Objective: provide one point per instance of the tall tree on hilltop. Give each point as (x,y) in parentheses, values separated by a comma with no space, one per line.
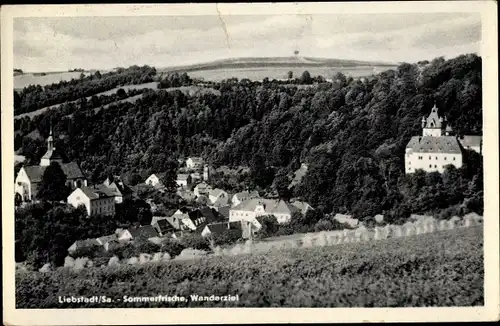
(53,186)
(306,78)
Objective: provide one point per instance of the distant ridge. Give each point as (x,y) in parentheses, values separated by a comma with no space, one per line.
(275,62)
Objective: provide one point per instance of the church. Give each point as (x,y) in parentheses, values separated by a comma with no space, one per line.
(29,177)
(437,147)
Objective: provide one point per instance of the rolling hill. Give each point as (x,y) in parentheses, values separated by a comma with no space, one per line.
(238,63)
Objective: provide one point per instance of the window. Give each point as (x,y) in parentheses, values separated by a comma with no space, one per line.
(409,169)
(445,158)
(435,166)
(453,159)
(430,158)
(436,157)
(430,165)
(409,163)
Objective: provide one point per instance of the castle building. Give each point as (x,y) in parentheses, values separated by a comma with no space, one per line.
(29,177)
(437,147)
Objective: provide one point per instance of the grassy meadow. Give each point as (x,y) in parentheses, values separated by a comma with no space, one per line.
(443,268)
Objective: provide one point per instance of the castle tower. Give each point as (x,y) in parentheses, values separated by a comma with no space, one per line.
(434,125)
(51,155)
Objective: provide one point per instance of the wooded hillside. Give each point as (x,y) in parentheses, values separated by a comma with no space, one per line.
(352,133)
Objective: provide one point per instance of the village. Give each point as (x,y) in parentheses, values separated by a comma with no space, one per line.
(218,212)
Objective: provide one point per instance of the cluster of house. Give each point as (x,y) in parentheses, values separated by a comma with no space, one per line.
(237,213)
(438,147)
(194,172)
(241,219)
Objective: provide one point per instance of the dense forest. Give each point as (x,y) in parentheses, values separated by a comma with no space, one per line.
(351,132)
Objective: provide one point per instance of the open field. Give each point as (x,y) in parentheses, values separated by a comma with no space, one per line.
(278,68)
(443,268)
(280,72)
(24,80)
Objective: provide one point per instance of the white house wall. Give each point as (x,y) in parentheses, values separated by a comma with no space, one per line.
(431,162)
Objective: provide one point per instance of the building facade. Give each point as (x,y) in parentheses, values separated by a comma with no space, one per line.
(194,163)
(250,209)
(437,147)
(97,200)
(29,177)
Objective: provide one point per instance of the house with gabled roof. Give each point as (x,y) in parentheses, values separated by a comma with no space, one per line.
(437,147)
(214,229)
(194,163)
(29,177)
(120,190)
(184,180)
(96,199)
(242,196)
(155,180)
(87,245)
(164,227)
(202,189)
(218,197)
(143,232)
(250,209)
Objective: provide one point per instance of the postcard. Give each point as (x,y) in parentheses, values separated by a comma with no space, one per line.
(250,163)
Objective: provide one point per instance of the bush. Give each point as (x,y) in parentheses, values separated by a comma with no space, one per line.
(172,246)
(148,247)
(195,241)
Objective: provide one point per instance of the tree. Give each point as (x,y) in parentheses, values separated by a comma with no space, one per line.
(281,183)
(306,78)
(121,93)
(290,74)
(269,226)
(53,185)
(340,78)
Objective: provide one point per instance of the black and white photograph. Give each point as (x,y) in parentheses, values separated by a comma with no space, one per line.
(215,156)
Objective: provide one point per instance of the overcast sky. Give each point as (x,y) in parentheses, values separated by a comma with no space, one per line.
(51,44)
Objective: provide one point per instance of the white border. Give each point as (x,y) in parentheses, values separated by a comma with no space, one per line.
(490,311)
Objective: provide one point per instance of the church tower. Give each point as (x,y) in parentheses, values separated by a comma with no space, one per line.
(206,173)
(433,125)
(51,155)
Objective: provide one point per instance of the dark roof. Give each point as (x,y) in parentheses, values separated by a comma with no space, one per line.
(119,185)
(443,144)
(146,231)
(96,192)
(413,142)
(34,172)
(211,215)
(218,228)
(164,226)
(71,170)
(224,211)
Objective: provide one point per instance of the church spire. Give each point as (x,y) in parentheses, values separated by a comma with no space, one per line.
(50,140)
(51,155)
